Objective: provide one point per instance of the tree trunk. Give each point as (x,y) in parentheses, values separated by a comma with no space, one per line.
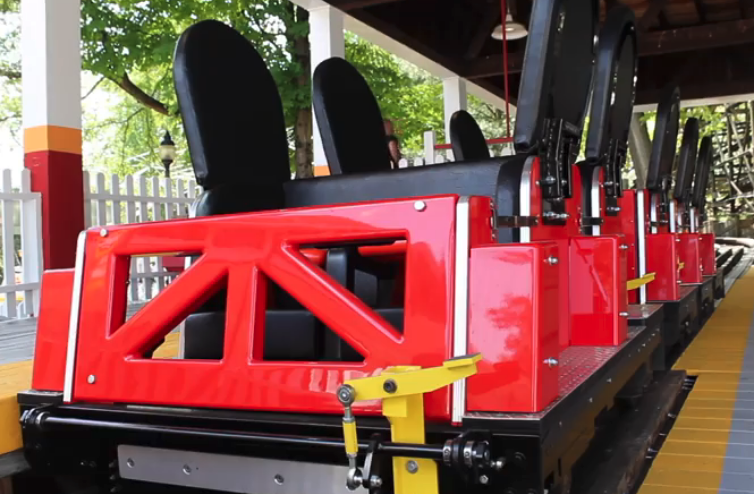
(303,139)
(304,144)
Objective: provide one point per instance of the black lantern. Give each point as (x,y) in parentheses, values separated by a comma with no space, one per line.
(167,153)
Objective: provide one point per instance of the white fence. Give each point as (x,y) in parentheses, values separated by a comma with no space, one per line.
(112,201)
(21,246)
(433,155)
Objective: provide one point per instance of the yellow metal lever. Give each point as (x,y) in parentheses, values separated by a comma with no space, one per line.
(639,282)
(401,390)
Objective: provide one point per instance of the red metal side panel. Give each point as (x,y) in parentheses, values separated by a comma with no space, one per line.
(247,249)
(707,250)
(662,259)
(52,330)
(691,257)
(597,283)
(513,323)
(559,234)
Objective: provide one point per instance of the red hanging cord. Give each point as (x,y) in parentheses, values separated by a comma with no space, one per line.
(504,9)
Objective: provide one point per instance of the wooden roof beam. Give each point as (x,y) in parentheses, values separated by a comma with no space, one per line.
(347,5)
(686,39)
(651,14)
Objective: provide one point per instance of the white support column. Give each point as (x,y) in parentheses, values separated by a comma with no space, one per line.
(327,40)
(51,66)
(454,99)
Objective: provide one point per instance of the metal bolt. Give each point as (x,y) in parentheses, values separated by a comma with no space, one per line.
(498,464)
(412,466)
(613,209)
(278,479)
(609,379)
(187,469)
(420,206)
(375,482)
(623,247)
(549,180)
(552,260)
(130,463)
(103,233)
(346,394)
(591,400)
(91,379)
(551,362)
(483,479)
(623,314)
(390,386)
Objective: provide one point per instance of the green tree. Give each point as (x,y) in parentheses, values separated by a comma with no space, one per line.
(127,45)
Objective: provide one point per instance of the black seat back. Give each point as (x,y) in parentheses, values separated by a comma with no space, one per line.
(466,138)
(349,120)
(665,141)
(558,88)
(701,176)
(614,86)
(687,161)
(234,121)
(612,104)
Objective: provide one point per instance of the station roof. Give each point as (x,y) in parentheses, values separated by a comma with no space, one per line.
(704,46)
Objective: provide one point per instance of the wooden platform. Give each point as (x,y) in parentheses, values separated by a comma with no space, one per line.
(710,449)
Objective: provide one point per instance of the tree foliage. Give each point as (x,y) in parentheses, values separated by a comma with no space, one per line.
(128,45)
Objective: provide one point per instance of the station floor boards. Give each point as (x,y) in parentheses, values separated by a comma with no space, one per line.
(710,448)
(16,377)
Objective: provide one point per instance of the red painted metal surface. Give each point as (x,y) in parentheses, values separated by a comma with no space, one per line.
(560,234)
(597,283)
(662,259)
(624,223)
(246,250)
(52,330)
(59,178)
(690,255)
(512,323)
(707,251)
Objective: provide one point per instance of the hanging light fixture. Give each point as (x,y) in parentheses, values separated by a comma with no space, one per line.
(513,30)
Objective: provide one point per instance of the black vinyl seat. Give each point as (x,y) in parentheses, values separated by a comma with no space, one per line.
(612,104)
(227,95)
(466,138)
(664,141)
(701,176)
(686,162)
(216,69)
(347,112)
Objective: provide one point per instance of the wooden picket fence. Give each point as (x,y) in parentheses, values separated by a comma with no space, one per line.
(110,200)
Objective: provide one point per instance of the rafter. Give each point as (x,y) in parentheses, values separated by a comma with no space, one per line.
(688,39)
(491,18)
(701,11)
(651,14)
(346,5)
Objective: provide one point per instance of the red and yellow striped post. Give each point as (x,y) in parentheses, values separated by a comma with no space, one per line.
(51,64)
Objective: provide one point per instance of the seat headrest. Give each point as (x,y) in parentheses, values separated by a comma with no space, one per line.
(349,120)
(614,84)
(665,142)
(231,108)
(557,70)
(687,161)
(466,138)
(701,176)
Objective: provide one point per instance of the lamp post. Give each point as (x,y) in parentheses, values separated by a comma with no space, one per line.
(167,153)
